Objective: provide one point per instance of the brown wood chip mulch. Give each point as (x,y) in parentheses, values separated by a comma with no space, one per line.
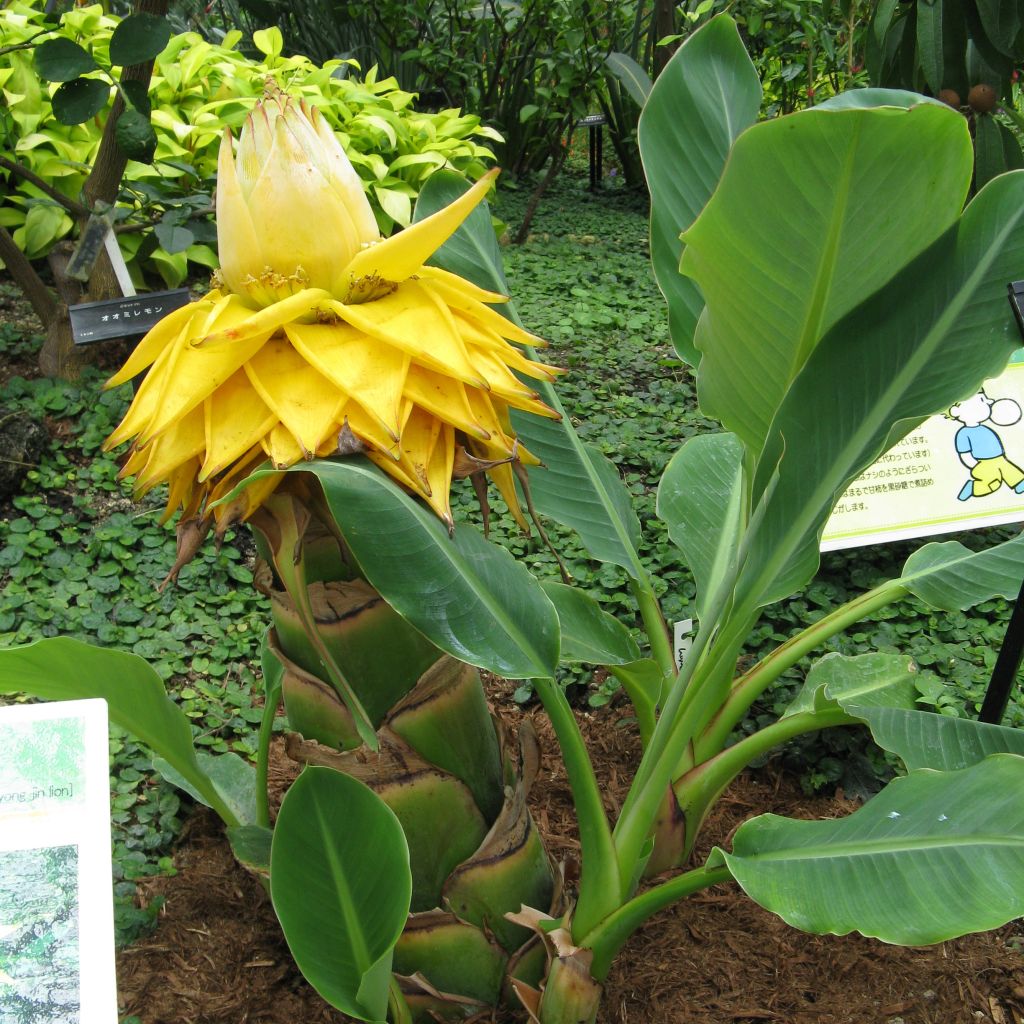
(217,956)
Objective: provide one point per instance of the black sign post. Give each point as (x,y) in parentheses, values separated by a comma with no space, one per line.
(131,316)
(997,696)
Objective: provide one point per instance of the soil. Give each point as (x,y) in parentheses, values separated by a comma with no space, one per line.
(218,957)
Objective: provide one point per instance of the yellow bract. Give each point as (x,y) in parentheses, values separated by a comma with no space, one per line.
(324,339)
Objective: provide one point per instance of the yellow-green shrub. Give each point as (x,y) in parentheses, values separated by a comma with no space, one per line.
(198,89)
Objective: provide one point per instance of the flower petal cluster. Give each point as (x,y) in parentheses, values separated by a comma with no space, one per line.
(322,338)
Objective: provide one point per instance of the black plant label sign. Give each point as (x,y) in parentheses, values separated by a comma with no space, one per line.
(123,318)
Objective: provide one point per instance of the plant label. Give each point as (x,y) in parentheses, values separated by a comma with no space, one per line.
(125,317)
(56,899)
(682,640)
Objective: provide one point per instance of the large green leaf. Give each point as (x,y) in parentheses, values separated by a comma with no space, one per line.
(700,500)
(633,77)
(705,97)
(867,680)
(938,329)
(577,486)
(340,882)
(467,595)
(949,576)
(923,739)
(854,193)
(933,856)
(589,634)
(60,668)
(61,60)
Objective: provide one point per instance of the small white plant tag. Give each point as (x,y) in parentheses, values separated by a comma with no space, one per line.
(682,640)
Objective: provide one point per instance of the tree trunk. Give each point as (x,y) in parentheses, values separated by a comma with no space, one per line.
(664,25)
(57,357)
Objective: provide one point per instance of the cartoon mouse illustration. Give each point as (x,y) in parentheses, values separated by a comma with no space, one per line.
(981,449)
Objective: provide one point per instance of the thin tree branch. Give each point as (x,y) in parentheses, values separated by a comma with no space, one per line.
(71,205)
(25,276)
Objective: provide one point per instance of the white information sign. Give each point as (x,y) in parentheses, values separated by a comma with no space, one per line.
(959,470)
(56,901)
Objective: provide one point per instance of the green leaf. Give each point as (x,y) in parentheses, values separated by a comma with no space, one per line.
(938,329)
(949,576)
(705,97)
(589,634)
(1002,21)
(933,856)
(576,486)
(700,500)
(989,155)
(138,97)
(580,488)
(251,846)
(929,43)
(924,739)
(64,669)
(634,79)
(467,595)
(867,680)
(139,38)
(61,60)
(233,777)
(79,100)
(269,41)
(859,99)
(173,237)
(837,242)
(135,136)
(340,883)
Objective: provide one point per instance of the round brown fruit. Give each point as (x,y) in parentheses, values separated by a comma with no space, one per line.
(950,97)
(982,98)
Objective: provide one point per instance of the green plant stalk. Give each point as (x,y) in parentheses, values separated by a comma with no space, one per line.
(751,685)
(608,938)
(685,712)
(654,625)
(601,887)
(697,791)
(270,705)
(398,1008)
(643,802)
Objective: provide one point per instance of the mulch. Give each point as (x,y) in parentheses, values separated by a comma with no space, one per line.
(218,957)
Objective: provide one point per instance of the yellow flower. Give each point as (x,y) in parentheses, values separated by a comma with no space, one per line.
(323,339)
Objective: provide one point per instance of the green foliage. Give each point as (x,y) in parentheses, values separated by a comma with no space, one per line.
(198,89)
(527,68)
(965,53)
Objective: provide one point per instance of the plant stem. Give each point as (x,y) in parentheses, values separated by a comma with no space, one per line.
(611,934)
(398,1008)
(701,787)
(73,207)
(655,626)
(271,702)
(600,884)
(751,685)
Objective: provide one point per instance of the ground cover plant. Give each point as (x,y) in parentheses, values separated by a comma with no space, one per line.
(517,637)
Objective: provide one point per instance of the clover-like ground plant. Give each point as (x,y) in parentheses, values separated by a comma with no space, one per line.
(825,278)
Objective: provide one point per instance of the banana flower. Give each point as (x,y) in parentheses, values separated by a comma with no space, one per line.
(322,338)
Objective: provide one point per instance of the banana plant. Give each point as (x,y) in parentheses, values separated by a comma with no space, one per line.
(827,324)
